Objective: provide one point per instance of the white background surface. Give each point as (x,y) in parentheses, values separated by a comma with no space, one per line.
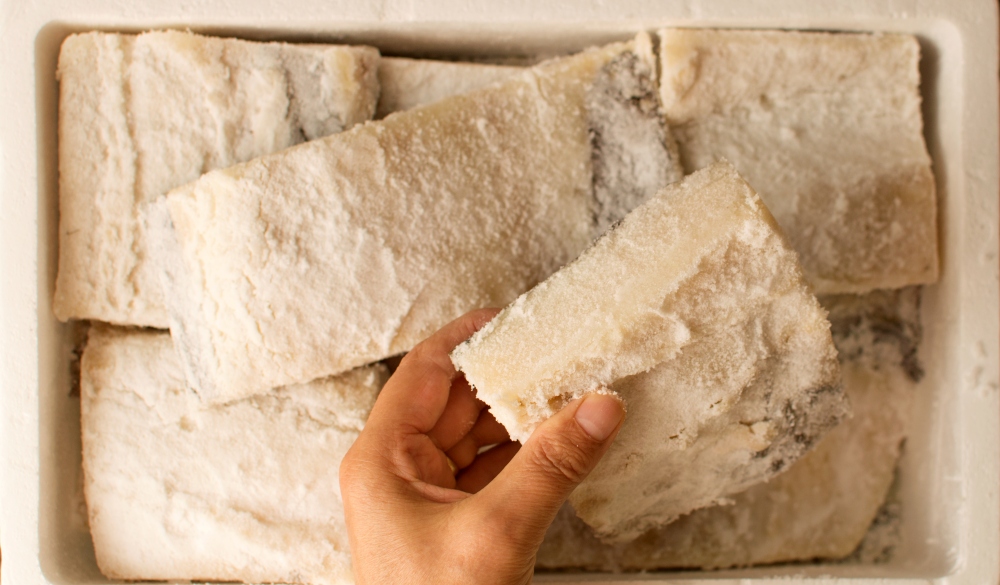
(951,476)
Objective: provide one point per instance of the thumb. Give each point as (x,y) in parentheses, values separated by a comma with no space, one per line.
(559,455)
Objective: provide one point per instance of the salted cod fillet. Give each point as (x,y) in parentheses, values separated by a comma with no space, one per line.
(694,311)
(349,249)
(142,114)
(246,491)
(407,83)
(828,129)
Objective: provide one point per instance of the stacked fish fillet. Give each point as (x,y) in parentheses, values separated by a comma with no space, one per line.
(237,194)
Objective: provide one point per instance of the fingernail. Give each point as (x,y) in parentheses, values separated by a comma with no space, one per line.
(599,415)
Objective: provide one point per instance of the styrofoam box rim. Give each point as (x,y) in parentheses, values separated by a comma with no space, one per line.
(949,478)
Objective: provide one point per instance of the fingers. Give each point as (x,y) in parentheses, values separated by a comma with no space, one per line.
(422,461)
(434,350)
(486,467)
(552,462)
(459,415)
(417,393)
(487,431)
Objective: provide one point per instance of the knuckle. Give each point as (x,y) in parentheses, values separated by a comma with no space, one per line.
(348,468)
(415,354)
(356,467)
(347,477)
(561,460)
(422,353)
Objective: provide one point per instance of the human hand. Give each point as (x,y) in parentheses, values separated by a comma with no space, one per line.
(411,519)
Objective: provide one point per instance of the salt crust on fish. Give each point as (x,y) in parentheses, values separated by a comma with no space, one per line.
(828,128)
(345,250)
(246,491)
(694,311)
(142,114)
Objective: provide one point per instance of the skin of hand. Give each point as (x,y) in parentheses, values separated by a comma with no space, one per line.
(411,519)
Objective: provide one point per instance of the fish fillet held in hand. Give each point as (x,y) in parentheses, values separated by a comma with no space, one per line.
(694,311)
(828,129)
(142,114)
(346,250)
(246,491)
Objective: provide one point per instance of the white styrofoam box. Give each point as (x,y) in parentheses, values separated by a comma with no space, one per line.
(950,476)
